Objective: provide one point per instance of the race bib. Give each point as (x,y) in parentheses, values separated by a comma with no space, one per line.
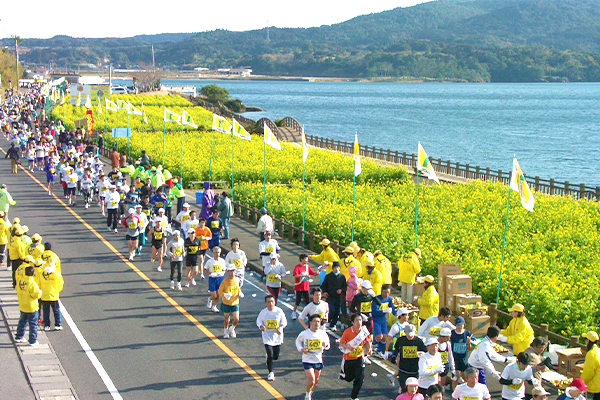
(214,224)
(185,217)
(435,331)
(104,189)
(52,170)
(383,306)
(237,262)
(73,179)
(113,203)
(163,223)
(459,348)
(273,278)
(216,268)
(444,357)
(193,226)
(158,235)
(470,398)
(320,314)
(272,324)
(132,225)
(314,344)
(434,367)
(366,307)
(159,204)
(122,195)
(178,251)
(357,352)
(192,249)
(234,290)
(409,352)
(147,211)
(515,387)
(269,250)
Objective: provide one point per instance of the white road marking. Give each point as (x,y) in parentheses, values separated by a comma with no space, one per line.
(88,351)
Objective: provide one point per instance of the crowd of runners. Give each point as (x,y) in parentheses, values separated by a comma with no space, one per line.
(430,353)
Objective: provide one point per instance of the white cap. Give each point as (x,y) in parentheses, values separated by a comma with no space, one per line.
(412,382)
(186,204)
(191,230)
(431,341)
(402,311)
(138,206)
(131,211)
(176,232)
(230,267)
(367,285)
(161,210)
(445,332)
(273,255)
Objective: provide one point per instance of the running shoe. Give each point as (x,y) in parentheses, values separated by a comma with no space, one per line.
(46,329)
(152,259)
(21,340)
(391,379)
(187,284)
(58,328)
(172,287)
(202,276)
(215,309)
(35,344)
(232,332)
(193,282)
(271,376)
(367,361)
(103,214)
(226,333)
(159,269)
(209,303)
(334,328)
(294,315)
(116,231)
(179,286)
(108,227)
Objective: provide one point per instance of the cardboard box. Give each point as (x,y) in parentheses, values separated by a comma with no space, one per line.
(456,301)
(568,359)
(445,270)
(458,284)
(576,373)
(418,289)
(478,326)
(473,312)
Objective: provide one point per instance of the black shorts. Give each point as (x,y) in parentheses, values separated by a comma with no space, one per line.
(157,245)
(71,190)
(203,252)
(461,363)
(300,295)
(131,237)
(191,260)
(446,370)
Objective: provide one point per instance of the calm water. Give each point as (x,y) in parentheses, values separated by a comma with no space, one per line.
(554,129)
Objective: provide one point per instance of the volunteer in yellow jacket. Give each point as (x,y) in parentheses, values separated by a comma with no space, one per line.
(36,248)
(28,294)
(519,333)
(48,254)
(591,367)
(383,265)
(16,251)
(230,292)
(328,254)
(372,275)
(4,236)
(51,284)
(349,261)
(409,267)
(429,303)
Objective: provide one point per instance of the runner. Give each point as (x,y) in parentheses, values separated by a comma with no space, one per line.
(132,223)
(230,292)
(433,325)
(318,307)
(483,355)
(216,228)
(380,324)
(412,391)
(355,342)
(266,248)
(86,188)
(112,207)
(514,376)
(461,342)
(275,272)
(204,234)
(142,228)
(192,251)
(445,350)
(409,349)
(216,267)
(396,331)
(271,321)
(238,258)
(183,215)
(302,286)
(430,366)
(311,343)
(50,169)
(71,180)
(176,250)
(471,389)
(157,233)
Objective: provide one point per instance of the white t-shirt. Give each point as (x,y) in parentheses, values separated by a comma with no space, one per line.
(190,223)
(215,267)
(311,309)
(397,329)
(164,221)
(267,247)
(515,391)
(239,260)
(430,368)
(112,200)
(272,271)
(272,320)
(72,179)
(315,342)
(431,328)
(464,392)
(182,216)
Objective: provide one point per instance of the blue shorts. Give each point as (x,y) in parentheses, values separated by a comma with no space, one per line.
(380,326)
(229,309)
(317,366)
(214,283)
(50,178)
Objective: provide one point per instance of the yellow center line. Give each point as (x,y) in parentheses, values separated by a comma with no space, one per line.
(164,294)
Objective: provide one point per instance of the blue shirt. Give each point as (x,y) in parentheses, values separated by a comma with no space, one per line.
(459,342)
(159,201)
(377,310)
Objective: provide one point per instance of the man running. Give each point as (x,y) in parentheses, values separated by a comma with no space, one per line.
(229,291)
(176,250)
(355,341)
(275,272)
(216,267)
(271,321)
(311,343)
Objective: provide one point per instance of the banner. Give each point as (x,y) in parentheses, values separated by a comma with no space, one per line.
(121,132)
(90,120)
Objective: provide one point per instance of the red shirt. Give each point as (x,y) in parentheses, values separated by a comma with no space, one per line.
(302,284)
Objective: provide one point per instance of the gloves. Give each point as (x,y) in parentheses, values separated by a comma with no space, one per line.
(497,375)
(548,363)
(415,298)
(364,318)
(517,381)
(227,296)
(387,355)
(511,359)
(387,310)
(502,338)
(372,293)
(453,376)
(535,381)
(241,295)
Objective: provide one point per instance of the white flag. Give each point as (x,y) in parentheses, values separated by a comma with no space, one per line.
(519,184)
(357,166)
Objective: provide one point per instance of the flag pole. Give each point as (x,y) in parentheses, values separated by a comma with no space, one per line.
(164,135)
(128,134)
(117,137)
(303,183)
(232,160)
(181,170)
(265,172)
(212,141)
(353,199)
(504,242)
(417,208)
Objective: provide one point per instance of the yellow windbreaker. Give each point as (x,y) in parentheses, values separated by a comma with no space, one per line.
(28,294)
(383,265)
(375,278)
(47,255)
(429,303)
(35,250)
(51,283)
(519,333)
(408,268)
(348,262)
(591,370)
(327,255)
(16,248)
(4,231)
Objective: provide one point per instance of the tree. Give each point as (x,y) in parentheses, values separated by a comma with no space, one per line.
(214,93)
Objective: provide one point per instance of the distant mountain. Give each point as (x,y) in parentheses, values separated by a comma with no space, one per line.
(447,39)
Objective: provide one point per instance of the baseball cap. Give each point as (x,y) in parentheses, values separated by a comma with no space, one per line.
(431,341)
(273,255)
(348,250)
(28,258)
(539,391)
(578,383)
(325,242)
(591,336)
(191,230)
(410,330)
(445,332)
(37,237)
(429,278)
(161,210)
(402,311)
(230,267)
(267,232)
(459,321)
(418,252)
(517,307)
(186,204)
(131,211)
(138,206)
(367,285)
(412,382)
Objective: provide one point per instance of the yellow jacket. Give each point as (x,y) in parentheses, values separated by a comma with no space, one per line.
(35,250)
(383,265)
(47,254)
(4,231)
(591,370)
(348,262)
(16,248)
(408,268)
(51,283)
(519,333)
(375,278)
(429,303)
(28,293)
(364,259)
(230,286)
(327,255)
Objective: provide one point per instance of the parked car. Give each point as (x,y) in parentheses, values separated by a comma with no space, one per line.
(118,90)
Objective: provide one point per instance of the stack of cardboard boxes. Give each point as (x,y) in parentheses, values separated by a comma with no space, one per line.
(570,361)
(455,292)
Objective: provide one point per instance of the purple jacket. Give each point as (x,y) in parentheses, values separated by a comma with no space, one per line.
(208,200)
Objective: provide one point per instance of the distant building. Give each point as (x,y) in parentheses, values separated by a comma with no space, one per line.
(235,71)
(70,78)
(201,69)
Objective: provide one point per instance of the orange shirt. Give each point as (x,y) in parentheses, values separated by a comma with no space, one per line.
(350,334)
(203,232)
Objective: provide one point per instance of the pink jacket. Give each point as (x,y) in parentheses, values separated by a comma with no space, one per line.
(353,283)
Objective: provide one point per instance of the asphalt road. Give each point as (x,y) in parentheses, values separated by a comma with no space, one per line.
(151,341)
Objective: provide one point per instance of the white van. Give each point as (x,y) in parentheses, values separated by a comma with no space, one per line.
(118,90)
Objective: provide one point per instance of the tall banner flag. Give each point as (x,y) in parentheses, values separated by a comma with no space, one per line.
(518,183)
(170,116)
(424,164)
(132,110)
(110,105)
(304,148)
(99,108)
(221,124)
(122,105)
(88,103)
(186,119)
(89,114)
(271,139)
(239,131)
(144,116)
(357,166)
(62,99)
(78,102)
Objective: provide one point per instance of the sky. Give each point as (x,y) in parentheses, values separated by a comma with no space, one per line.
(111,18)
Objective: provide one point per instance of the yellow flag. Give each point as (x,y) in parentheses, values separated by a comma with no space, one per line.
(88,102)
(110,105)
(424,164)
(122,105)
(519,184)
(186,118)
(239,131)
(220,124)
(132,110)
(271,139)
(170,116)
(357,166)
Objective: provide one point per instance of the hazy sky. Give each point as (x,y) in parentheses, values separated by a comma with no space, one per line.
(110,18)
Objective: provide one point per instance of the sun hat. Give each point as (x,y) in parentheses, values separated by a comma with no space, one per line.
(367,285)
(25,228)
(36,237)
(412,382)
(325,242)
(591,336)
(517,307)
(429,279)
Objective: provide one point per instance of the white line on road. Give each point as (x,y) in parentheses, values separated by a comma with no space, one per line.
(88,351)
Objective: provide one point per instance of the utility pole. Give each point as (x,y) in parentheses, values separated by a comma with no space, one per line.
(17,40)
(153,65)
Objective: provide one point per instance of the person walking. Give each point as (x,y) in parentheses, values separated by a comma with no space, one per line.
(208,201)
(333,288)
(355,341)
(112,208)
(265,223)
(225,213)
(28,293)
(13,154)
(6,201)
(311,343)
(271,321)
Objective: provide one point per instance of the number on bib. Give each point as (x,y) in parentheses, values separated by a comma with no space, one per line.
(113,203)
(237,262)
(269,250)
(435,331)
(409,352)
(273,278)
(383,306)
(214,224)
(272,324)
(216,268)
(192,249)
(357,352)
(73,179)
(444,355)
(185,217)
(314,344)
(147,211)
(158,235)
(515,387)
(178,251)
(366,307)
(159,204)
(132,225)
(470,398)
